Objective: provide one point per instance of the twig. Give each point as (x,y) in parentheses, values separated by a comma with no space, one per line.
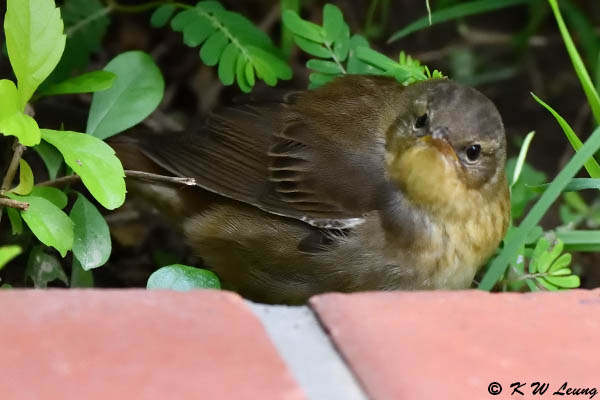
(126,8)
(12,170)
(160,178)
(13,166)
(6,202)
(69,179)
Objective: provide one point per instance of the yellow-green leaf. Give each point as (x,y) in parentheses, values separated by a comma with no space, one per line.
(94,161)
(25,179)
(35,42)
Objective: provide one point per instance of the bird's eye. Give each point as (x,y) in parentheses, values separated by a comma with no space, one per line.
(473,152)
(421,121)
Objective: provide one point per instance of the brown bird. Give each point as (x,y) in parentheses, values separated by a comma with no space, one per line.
(362,184)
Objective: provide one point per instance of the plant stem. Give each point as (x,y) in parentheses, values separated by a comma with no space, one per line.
(6,202)
(98,14)
(335,59)
(69,179)
(287,37)
(12,170)
(114,5)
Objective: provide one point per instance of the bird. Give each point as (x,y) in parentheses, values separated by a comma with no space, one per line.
(363,184)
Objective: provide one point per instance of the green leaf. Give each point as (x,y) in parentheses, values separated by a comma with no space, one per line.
(250,74)
(302,28)
(7,253)
(25,179)
(51,157)
(580,240)
(53,195)
(94,81)
(94,161)
(341,46)
(12,120)
(162,15)
(574,185)
(584,77)
(16,223)
(240,73)
(591,165)
(136,92)
(548,257)
(92,245)
(317,79)
(521,192)
(43,268)
(499,264)
(356,65)
(567,282)
(279,67)
(541,247)
(47,222)
(333,22)
(182,278)
(375,58)
(213,48)
(312,48)
(458,11)
(81,278)
(542,281)
(562,271)
(325,67)
(242,51)
(210,6)
(521,158)
(560,264)
(35,42)
(184,19)
(197,32)
(227,64)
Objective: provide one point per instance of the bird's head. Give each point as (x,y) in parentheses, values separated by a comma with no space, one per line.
(447,141)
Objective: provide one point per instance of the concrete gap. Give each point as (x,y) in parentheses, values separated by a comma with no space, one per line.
(309,352)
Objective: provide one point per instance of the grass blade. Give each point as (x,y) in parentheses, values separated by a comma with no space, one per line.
(582,74)
(508,253)
(591,165)
(521,158)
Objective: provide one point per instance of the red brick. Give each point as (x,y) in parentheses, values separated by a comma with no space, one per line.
(136,344)
(452,345)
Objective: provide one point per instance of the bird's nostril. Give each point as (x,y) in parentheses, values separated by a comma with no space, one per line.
(440,133)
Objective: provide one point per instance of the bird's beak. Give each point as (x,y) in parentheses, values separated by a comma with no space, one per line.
(439,139)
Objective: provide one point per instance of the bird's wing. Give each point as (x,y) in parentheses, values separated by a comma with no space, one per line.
(278,159)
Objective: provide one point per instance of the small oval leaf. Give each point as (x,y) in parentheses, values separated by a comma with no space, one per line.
(94,161)
(182,278)
(91,245)
(25,179)
(47,222)
(136,92)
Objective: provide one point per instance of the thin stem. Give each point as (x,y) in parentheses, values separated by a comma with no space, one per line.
(114,5)
(13,166)
(6,202)
(337,61)
(160,178)
(98,14)
(69,179)
(12,170)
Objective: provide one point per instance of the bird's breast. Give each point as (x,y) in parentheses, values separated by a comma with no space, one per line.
(461,227)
